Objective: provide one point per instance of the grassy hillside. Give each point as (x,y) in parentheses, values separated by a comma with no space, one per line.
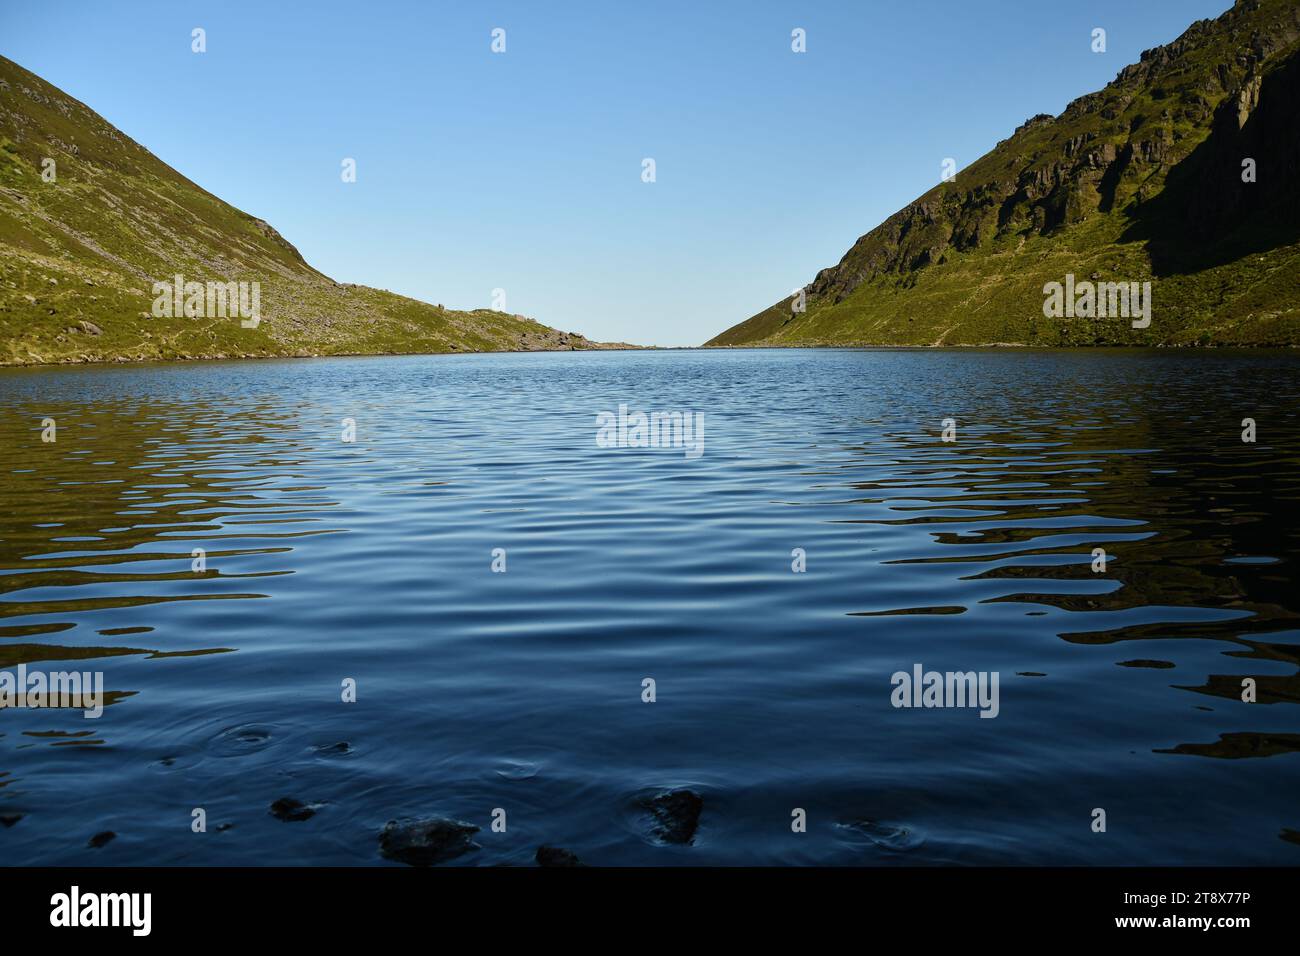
(1141,181)
(79,256)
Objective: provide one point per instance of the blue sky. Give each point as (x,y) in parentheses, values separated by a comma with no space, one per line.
(522,170)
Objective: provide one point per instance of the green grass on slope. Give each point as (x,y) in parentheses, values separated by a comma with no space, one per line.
(975,299)
(79,256)
(1140,181)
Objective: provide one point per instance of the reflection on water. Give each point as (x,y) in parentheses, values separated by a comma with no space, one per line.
(325,561)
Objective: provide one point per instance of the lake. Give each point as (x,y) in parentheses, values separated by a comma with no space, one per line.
(497,588)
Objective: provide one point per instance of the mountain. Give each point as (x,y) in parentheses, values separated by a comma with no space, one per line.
(84,239)
(1140,182)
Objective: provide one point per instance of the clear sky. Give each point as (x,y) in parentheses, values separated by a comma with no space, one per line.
(523,170)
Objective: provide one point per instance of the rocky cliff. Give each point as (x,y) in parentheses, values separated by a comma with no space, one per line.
(1146,180)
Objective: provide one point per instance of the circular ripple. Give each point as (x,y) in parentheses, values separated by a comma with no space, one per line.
(898,837)
(241,740)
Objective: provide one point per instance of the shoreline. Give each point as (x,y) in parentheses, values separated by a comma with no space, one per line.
(623,347)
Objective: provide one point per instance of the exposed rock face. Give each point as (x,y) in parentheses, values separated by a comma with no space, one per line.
(426,842)
(1206,199)
(1053,190)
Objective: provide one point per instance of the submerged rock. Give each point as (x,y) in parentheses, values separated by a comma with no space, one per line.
(10,819)
(426,842)
(517,770)
(1146,662)
(676,815)
(555,856)
(101,839)
(340,749)
(291,810)
(887,836)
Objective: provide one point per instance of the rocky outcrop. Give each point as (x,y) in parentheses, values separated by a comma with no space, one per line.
(426,842)
(675,815)
(289,810)
(555,856)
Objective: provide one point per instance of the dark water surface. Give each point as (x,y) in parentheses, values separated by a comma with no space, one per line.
(371,560)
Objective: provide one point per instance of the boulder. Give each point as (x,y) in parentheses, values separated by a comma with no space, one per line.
(292,811)
(555,856)
(676,815)
(426,842)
